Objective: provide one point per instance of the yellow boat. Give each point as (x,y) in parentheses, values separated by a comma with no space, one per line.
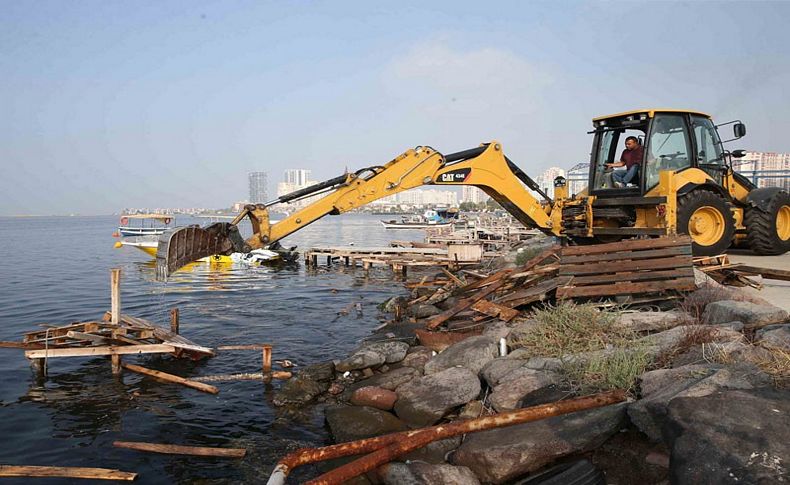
(148,246)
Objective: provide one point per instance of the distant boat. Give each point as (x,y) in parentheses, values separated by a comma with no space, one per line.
(145,224)
(429,219)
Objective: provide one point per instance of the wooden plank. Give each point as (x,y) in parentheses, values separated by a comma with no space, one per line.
(65,472)
(462,305)
(627,255)
(626,288)
(243,347)
(180,449)
(767,273)
(631,244)
(19,345)
(488,280)
(603,268)
(164,335)
(85,336)
(631,276)
(551,268)
(97,351)
(171,378)
(493,310)
(533,294)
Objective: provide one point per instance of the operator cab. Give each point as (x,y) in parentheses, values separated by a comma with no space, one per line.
(669,140)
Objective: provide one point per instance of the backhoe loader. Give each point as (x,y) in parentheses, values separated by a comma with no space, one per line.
(685,184)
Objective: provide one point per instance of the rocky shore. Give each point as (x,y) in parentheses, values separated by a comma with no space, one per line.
(708,383)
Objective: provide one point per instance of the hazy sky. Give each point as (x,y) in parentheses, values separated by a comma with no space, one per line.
(110,104)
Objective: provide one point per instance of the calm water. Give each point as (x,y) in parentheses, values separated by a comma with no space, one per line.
(56,270)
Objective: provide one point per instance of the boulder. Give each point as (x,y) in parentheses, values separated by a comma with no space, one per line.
(426,400)
(444,473)
(750,314)
(389,380)
(638,322)
(299,391)
(520,329)
(360,359)
(349,423)
(435,451)
(392,304)
(514,386)
(423,310)
(321,372)
(417,357)
(497,330)
(733,436)
(392,350)
(659,387)
(397,473)
(774,336)
(375,397)
(502,454)
(496,369)
(472,353)
(669,339)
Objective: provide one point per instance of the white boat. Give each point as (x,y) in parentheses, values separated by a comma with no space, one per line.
(429,219)
(145,224)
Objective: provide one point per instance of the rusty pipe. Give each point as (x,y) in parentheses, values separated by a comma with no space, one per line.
(385,448)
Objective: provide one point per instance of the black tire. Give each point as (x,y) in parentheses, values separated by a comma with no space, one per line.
(763,233)
(711,238)
(580,472)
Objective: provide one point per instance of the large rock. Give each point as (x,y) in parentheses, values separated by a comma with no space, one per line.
(660,387)
(498,368)
(650,321)
(375,397)
(321,372)
(750,314)
(472,353)
(374,354)
(497,330)
(298,391)
(349,423)
(730,437)
(388,380)
(669,339)
(444,473)
(519,330)
(417,357)
(422,310)
(774,336)
(397,473)
(434,452)
(503,454)
(426,400)
(516,385)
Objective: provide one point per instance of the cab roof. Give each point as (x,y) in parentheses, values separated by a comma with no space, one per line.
(651,112)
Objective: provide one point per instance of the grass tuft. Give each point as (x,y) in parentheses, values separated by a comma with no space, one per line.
(695,302)
(617,369)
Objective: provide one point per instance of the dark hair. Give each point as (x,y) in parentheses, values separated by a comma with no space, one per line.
(633,138)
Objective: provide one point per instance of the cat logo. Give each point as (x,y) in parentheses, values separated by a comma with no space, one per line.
(454,177)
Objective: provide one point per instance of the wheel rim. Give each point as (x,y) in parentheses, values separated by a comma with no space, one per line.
(783,223)
(707,226)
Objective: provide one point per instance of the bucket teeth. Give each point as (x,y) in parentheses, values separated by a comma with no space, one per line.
(183,245)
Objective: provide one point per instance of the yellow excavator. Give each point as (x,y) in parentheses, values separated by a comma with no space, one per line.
(684,184)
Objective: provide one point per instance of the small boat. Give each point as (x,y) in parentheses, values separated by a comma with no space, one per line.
(429,219)
(254,257)
(144,224)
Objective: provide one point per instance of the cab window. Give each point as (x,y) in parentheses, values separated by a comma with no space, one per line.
(667,147)
(708,144)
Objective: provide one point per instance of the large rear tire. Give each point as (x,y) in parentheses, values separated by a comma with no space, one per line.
(768,231)
(706,217)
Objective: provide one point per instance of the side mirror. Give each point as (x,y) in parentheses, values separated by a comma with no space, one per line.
(738,153)
(739,130)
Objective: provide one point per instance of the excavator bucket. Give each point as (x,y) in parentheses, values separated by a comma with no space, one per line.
(179,247)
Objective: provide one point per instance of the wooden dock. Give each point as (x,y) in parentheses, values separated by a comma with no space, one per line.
(399,259)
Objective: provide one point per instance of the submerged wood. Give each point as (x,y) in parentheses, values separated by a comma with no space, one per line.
(181,450)
(172,378)
(96,351)
(244,376)
(65,472)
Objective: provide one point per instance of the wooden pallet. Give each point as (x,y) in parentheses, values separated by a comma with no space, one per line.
(633,267)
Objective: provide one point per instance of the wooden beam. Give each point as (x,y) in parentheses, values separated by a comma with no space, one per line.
(767,273)
(95,351)
(65,472)
(115,295)
(627,288)
(656,243)
(462,305)
(174,320)
(633,276)
(181,450)
(627,255)
(604,268)
(171,378)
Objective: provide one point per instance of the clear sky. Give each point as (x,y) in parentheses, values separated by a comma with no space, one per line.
(110,104)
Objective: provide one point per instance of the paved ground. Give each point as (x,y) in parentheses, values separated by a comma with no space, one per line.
(776,292)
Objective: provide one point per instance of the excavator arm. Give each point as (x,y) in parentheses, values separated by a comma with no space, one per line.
(485,167)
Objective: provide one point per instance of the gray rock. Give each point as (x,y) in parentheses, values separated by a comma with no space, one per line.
(651,321)
(503,454)
(426,400)
(496,369)
(669,339)
(734,326)
(360,359)
(472,353)
(435,451)
(422,310)
(298,391)
(396,473)
(775,336)
(750,314)
(497,330)
(514,386)
(417,357)
(389,380)
(519,330)
(660,387)
(434,474)
(321,372)
(390,305)
(544,363)
(392,350)
(732,437)
(349,423)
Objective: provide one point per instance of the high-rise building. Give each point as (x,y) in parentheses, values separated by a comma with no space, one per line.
(258,188)
(470,193)
(297,176)
(546,180)
(765,169)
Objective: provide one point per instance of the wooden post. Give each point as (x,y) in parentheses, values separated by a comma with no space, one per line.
(38,367)
(315,260)
(174,320)
(115,295)
(267,363)
(115,306)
